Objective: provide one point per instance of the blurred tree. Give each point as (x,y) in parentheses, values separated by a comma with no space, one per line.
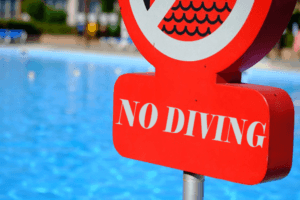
(287,37)
(54,16)
(39,11)
(35,8)
(295,18)
(29,27)
(114,18)
(108,5)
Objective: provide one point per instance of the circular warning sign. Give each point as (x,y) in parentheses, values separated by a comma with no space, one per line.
(210,34)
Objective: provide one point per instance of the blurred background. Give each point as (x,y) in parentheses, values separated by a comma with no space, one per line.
(88,22)
(70,22)
(59,60)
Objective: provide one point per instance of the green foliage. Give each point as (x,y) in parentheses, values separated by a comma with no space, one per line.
(37,28)
(289,39)
(108,5)
(35,8)
(55,29)
(114,31)
(3,24)
(55,16)
(43,13)
(295,18)
(29,27)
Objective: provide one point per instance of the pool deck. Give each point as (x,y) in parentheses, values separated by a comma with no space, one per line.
(111,49)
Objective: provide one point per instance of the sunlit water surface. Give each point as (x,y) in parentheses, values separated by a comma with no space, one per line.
(56,133)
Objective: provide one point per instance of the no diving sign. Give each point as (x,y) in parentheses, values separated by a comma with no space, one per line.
(193,113)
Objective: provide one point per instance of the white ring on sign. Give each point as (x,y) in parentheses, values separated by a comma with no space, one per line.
(148,21)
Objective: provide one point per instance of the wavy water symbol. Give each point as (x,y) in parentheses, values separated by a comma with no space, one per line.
(195,18)
(202,6)
(186,31)
(204,18)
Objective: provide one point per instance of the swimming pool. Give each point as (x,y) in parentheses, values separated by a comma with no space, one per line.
(56,133)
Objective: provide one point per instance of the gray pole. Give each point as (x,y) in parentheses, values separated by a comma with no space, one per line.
(193,186)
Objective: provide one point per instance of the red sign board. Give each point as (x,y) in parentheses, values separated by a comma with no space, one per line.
(193,113)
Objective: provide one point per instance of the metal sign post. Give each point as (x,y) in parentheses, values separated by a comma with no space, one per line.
(193,186)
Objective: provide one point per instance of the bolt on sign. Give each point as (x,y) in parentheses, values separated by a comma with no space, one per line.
(193,113)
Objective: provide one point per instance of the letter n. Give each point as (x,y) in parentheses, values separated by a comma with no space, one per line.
(128,111)
(236,130)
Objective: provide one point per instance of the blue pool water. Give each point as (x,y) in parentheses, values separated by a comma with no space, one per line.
(56,133)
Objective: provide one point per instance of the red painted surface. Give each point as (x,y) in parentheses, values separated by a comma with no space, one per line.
(197,116)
